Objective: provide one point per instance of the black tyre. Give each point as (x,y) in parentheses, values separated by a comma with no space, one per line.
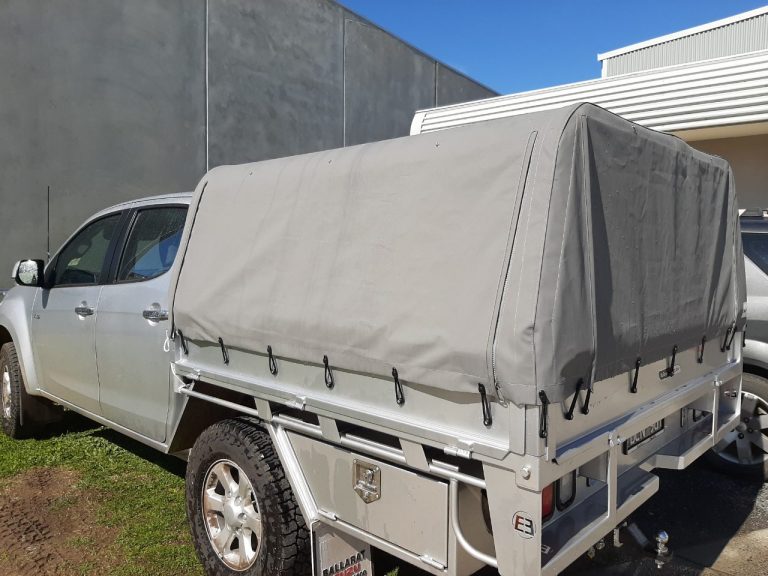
(11,389)
(22,415)
(744,451)
(242,512)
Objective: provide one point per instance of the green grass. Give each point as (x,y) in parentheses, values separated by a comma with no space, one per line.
(137,493)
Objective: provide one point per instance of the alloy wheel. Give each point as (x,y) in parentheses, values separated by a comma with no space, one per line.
(5,393)
(232,516)
(748,443)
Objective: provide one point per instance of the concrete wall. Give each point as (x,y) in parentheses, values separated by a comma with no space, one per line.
(101,100)
(304,75)
(748,156)
(105,100)
(275,78)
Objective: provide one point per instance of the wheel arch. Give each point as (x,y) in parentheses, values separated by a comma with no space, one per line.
(197,415)
(755,357)
(15,316)
(24,354)
(756,369)
(5,336)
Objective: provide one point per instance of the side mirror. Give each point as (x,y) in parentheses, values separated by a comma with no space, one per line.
(29,273)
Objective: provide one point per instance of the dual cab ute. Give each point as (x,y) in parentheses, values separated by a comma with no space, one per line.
(465,348)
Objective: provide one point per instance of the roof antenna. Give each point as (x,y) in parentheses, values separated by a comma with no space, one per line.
(48,226)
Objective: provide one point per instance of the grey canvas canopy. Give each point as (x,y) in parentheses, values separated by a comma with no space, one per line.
(524,253)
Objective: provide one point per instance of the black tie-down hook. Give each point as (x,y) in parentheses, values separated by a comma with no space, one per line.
(633,388)
(700,356)
(328,374)
(399,396)
(272,362)
(585,408)
(729,336)
(224,352)
(487,418)
(544,414)
(671,368)
(569,414)
(183,342)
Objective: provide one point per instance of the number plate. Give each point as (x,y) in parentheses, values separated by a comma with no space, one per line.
(643,436)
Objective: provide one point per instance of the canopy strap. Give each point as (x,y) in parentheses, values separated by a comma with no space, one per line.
(224,352)
(399,397)
(569,414)
(729,335)
(272,363)
(183,342)
(328,374)
(585,408)
(544,414)
(671,367)
(700,357)
(633,388)
(487,418)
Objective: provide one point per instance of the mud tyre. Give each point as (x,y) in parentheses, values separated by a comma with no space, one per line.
(11,390)
(242,512)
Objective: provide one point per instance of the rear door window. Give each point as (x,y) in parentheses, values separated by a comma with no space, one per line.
(152,243)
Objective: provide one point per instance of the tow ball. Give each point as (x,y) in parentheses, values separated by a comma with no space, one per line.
(661,552)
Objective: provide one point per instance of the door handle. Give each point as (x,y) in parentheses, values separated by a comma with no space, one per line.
(154,315)
(84,310)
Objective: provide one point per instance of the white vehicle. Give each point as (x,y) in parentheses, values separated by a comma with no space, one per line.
(465,348)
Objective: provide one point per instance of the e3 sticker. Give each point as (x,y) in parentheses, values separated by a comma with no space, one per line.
(523,524)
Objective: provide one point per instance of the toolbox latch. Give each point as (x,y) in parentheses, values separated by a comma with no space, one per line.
(367,481)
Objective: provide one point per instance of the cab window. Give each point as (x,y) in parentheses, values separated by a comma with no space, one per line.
(152,243)
(81,261)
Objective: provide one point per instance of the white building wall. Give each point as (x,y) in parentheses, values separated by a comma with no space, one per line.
(739,34)
(748,156)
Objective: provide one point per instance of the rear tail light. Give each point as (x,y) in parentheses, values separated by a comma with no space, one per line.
(547,502)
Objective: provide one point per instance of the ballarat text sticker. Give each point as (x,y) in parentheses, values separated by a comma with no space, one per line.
(352,566)
(523,524)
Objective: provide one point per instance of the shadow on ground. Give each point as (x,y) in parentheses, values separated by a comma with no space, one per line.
(167,462)
(73,422)
(70,423)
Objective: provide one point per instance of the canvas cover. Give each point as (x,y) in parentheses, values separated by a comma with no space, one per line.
(523,253)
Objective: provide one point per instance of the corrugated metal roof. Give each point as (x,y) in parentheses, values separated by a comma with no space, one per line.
(739,34)
(716,93)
